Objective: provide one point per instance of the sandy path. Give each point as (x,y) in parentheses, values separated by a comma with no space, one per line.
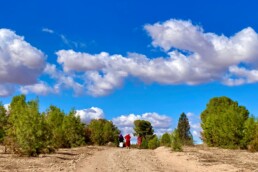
(121,159)
(103,158)
(163,160)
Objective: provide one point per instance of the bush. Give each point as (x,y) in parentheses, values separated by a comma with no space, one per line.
(103,131)
(231,119)
(165,140)
(253,146)
(176,144)
(144,144)
(153,143)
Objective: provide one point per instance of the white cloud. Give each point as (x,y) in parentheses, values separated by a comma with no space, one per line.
(240,75)
(63,80)
(209,53)
(87,115)
(207,57)
(178,34)
(48,30)
(193,57)
(39,88)
(6,89)
(20,63)
(160,123)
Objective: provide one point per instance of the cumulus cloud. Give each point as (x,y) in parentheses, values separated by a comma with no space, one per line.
(63,80)
(160,123)
(241,75)
(214,54)
(20,63)
(41,88)
(193,57)
(6,89)
(87,115)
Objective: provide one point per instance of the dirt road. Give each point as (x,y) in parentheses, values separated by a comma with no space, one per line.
(122,159)
(163,160)
(113,159)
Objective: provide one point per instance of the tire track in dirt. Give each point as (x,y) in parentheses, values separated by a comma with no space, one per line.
(121,159)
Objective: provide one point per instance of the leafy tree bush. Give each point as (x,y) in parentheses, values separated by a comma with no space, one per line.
(17,108)
(143,128)
(153,142)
(102,131)
(3,122)
(223,123)
(253,145)
(176,144)
(144,144)
(73,130)
(248,132)
(183,128)
(165,140)
(25,134)
(54,120)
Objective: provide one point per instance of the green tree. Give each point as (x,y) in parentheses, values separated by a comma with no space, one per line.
(253,146)
(223,123)
(25,134)
(183,128)
(3,122)
(73,130)
(30,133)
(153,142)
(165,140)
(54,120)
(110,133)
(143,128)
(248,132)
(102,131)
(176,143)
(18,109)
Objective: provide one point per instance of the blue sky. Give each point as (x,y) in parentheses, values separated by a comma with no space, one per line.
(126,60)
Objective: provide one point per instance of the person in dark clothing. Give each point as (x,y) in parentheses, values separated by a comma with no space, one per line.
(121,140)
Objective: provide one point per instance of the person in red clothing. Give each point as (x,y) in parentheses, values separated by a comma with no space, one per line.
(139,141)
(127,141)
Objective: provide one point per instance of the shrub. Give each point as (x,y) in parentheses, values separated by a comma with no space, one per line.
(144,144)
(176,144)
(165,140)
(153,143)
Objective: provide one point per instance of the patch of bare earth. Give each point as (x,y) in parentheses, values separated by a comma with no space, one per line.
(162,159)
(62,160)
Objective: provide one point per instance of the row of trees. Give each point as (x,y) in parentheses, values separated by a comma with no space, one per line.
(179,137)
(228,125)
(24,130)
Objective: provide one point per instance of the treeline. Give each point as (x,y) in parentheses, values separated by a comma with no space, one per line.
(179,137)
(24,130)
(224,124)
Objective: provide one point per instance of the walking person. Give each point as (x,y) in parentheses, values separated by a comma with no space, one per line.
(139,141)
(121,141)
(127,141)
